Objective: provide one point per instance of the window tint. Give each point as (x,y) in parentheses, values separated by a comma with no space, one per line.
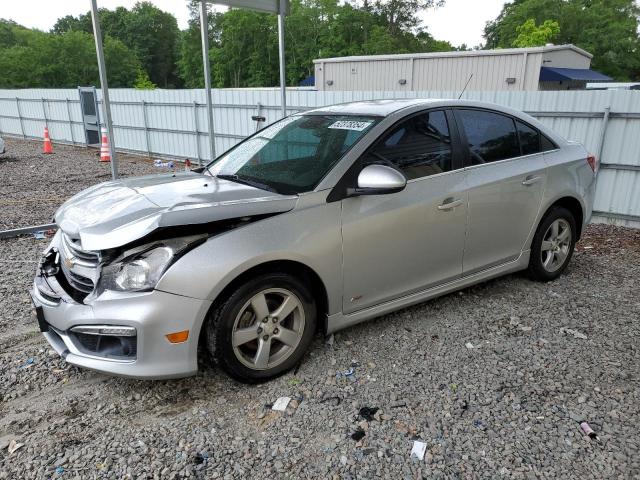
(546,144)
(491,136)
(419,147)
(529,139)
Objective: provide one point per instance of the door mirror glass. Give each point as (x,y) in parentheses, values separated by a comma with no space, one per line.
(378,180)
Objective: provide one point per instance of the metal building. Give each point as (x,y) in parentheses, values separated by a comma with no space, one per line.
(553,67)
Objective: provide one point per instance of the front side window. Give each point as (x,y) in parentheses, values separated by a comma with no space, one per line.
(419,146)
(491,136)
(294,154)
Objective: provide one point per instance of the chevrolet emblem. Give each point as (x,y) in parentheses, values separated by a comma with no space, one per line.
(69,262)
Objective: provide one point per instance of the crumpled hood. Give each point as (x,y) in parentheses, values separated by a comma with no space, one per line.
(112,214)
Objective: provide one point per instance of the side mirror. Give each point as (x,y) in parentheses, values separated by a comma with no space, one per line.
(378,180)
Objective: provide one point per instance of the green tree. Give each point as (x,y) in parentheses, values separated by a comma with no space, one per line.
(143,82)
(606,28)
(152,33)
(37,59)
(531,35)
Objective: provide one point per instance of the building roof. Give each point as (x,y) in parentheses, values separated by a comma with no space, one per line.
(457,54)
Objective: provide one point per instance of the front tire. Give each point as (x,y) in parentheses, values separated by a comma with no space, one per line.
(263,329)
(553,245)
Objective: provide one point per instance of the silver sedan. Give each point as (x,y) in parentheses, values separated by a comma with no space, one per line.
(315,223)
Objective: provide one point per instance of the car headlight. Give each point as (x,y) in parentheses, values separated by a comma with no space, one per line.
(141,268)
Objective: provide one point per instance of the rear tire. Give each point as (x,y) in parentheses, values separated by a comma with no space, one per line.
(552,245)
(263,329)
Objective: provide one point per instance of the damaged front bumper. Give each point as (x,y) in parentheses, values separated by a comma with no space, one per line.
(121,333)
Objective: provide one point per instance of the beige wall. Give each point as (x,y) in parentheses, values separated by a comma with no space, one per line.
(490,72)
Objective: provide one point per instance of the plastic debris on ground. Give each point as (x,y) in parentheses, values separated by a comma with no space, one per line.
(358,435)
(281,404)
(575,333)
(28,363)
(418,450)
(159,163)
(367,413)
(586,428)
(13,446)
(59,470)
(329,340)
(469,345)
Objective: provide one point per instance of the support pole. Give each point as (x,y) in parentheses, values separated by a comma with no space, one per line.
(20,117)
(197,131)
(204,31)
(283,75)
(146,128)
(102,70)
(73,140)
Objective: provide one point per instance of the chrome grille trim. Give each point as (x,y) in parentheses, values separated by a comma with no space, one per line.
(81,268)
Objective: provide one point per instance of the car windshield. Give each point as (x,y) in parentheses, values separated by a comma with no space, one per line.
(292,155)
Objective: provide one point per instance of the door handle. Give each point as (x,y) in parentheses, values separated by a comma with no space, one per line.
(449,205)
(530,181)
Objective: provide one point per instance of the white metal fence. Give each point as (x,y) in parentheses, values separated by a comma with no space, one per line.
(173,123)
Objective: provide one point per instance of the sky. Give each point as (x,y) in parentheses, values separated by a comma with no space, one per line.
(459,21)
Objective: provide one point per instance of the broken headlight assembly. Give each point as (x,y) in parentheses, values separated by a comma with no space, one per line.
(141,268)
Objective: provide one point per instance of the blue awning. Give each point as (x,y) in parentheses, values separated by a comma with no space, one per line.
(552,74)
(310,81)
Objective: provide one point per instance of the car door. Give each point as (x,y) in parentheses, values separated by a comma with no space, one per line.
(399,243)
(506,177)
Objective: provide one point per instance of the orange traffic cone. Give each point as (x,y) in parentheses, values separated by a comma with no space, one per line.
(48,147)
(105,155)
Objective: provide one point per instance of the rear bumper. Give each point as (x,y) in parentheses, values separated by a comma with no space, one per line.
(153,314)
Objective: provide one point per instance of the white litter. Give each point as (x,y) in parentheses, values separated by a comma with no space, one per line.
(418,450)
(13,446)
(469,345)
(575,333)
(281,404)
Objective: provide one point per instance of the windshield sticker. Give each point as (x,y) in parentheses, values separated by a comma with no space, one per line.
(350,125)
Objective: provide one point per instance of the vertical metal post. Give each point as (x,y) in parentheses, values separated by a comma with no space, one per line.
(204,31)
(20,117)
(102,70)
(603,133)
(283,73)
(73,140)
(197,131)
(44,114)
(146,127)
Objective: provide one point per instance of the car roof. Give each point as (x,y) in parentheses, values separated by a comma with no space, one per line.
(386,108)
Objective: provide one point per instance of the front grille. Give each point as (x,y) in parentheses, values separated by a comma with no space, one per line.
(79,267)
(84,257)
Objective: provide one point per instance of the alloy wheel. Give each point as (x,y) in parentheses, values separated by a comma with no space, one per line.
(268,328)
(556,245)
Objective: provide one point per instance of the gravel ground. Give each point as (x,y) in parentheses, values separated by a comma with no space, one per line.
(34,185)
(509,407)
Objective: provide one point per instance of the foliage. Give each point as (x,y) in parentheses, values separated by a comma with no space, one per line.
(151,33)
(244,44)
(606,28)
(31,59)
(531,35)
(143,82)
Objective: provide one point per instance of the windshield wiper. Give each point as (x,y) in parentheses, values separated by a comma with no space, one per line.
(247,181)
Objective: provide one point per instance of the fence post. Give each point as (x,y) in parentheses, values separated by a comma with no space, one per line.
(73,140)
(20,117)
(44,114)
(603,133)
(195,120)
(146,127)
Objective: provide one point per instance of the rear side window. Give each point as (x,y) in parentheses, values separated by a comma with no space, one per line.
(419,146)
(491,136)
(529,139)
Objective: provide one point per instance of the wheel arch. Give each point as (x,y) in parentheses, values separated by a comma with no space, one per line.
(574,206)
(298,269)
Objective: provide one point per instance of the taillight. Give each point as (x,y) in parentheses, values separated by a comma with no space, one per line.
(593,163)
